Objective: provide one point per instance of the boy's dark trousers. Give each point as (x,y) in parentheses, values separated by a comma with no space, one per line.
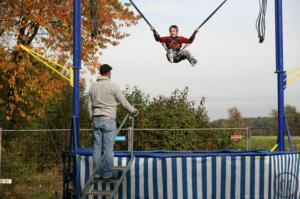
(175,56)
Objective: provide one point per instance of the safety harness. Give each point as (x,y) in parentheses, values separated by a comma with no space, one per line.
(197,29)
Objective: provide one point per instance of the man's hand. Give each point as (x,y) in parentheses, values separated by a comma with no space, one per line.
(135,113)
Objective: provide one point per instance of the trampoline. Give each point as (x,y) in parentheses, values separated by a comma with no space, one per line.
(188,174)
(201,174)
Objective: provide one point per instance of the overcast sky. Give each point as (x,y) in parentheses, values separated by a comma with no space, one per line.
(233,68)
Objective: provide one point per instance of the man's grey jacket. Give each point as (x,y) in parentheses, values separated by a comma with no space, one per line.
(104,95)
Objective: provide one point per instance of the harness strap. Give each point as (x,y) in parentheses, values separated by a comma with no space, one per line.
(176,39)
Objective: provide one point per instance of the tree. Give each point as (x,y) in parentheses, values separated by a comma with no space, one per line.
(202,115)
(291,114)
(46,26)
(140,101)
(235,118)
(162,112)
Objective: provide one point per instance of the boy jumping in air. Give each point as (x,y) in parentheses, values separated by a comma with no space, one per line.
(174,43)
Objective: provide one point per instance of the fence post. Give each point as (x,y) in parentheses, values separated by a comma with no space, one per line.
(247,136)
(2,181)
(0,151)
(250,142)
(130,139)
(1,189)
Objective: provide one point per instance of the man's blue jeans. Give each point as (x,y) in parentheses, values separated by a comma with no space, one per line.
(104,129)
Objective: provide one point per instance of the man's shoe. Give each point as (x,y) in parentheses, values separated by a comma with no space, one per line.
(110,179)
(97,178)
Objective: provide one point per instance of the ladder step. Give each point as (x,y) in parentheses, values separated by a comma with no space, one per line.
(119,168)
(117,171)
(100,192)
(110,181)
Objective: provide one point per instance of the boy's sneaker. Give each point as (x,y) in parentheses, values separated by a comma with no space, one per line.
(194,62)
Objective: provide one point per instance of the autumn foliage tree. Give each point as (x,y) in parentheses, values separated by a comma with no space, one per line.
(235,118)
(46,27)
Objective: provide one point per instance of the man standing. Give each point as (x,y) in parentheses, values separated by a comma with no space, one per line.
(102,104)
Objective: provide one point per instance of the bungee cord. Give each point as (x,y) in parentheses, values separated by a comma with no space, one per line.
(261,20)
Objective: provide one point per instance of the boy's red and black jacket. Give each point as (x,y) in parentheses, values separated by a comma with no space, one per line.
(174,42)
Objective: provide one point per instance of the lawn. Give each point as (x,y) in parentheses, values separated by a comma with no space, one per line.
(267,142)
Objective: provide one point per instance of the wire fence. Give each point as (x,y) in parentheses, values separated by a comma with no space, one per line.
(33,158)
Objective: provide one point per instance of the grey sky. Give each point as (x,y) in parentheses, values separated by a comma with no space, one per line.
(233,68)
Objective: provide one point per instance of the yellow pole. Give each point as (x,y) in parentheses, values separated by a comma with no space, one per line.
(274,148)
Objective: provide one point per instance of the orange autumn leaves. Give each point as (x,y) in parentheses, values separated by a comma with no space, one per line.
(46,26)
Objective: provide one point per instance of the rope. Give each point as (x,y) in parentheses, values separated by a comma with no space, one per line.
(205,21)
(44,60)
(212,14)
(291,80)
(146,20)
(43,57)
(292,76)
(293,71)
(261,21)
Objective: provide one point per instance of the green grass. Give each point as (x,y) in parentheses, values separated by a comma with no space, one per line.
(266,142)
(31,182)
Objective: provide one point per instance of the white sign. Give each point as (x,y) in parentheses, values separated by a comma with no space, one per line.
(5,181)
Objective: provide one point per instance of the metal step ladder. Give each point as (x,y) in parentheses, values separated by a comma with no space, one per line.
(119,173)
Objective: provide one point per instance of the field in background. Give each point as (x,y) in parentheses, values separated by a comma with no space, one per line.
(267,142)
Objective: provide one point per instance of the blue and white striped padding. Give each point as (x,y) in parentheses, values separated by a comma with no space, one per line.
(259,176)
(285,176)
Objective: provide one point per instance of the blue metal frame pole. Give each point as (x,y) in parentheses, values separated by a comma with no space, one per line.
(76,69)
(76,89)
(280,72)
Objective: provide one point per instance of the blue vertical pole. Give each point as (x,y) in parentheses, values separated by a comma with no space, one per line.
(76,90)
(76,69)
(280,72)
